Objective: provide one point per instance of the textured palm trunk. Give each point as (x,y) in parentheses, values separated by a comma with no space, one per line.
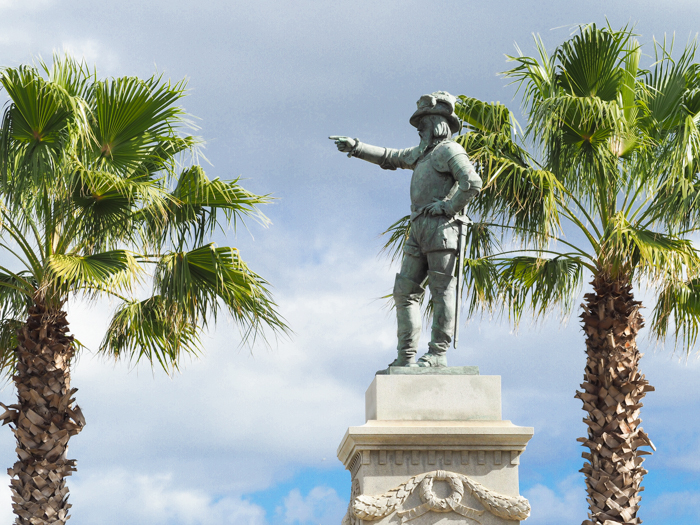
(612,392)
(43,419)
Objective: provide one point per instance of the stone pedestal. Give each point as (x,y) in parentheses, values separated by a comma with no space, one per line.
(434,450)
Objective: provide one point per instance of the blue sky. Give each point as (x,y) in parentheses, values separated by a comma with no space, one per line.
(250,438)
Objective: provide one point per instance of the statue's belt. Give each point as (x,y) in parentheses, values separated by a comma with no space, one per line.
(459,217)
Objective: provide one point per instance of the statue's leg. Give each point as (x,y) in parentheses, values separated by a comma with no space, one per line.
(443,290)
(408,294)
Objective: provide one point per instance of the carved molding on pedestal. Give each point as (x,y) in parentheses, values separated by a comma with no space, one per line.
(354,465)
(432,457)
(372,508)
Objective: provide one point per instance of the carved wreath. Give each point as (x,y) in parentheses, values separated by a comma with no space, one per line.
(377,507)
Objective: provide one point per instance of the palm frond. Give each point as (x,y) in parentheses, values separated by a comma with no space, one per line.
(34,130)
(113,270)
(70,75)
(480,240)
(9,327)
(586,123)
(537,76)
(163,155)
(481,288)
(204,279)
(130,115)
(515,189)
(155,330)
(110,208)
(398,235)
(677,311)
(538,284)
(677,206)
(665,89)
(195,209)
(14,295)
(628,84)
(637,251)
(590,62)
(199,199)
(484,117)
(526,197)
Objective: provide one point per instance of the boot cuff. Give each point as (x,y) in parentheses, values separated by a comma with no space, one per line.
(404,286)
(440,281)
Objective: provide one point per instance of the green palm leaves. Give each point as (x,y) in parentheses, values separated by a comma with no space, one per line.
(35,128)
(589,63)
(621,145)
(131,115)
(202,280)
(113,270)
(99,191)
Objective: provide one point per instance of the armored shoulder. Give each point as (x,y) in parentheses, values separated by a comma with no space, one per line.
(445,151)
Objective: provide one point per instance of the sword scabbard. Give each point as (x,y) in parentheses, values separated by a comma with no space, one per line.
(460,272)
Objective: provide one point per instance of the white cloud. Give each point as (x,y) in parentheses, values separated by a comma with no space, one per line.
(321,505)
(129,497)
(671,507)
(94,53)
(687,460)
(554,506)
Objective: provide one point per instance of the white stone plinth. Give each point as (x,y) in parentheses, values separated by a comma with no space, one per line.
(440,430)
(433,398)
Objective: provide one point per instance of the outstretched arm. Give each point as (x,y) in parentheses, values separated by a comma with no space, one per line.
(387,158)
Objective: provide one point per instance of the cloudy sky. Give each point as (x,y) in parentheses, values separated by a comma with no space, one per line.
(250,438)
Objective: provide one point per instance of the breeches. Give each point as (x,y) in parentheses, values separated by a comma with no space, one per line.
(432,233)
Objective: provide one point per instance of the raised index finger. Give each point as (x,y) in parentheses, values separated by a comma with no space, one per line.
(336,137)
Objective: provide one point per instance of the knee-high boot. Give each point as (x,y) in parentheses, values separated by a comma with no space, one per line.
(407,297)
(443,290)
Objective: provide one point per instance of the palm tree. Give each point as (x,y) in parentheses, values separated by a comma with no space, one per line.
(99,184)
(603,185)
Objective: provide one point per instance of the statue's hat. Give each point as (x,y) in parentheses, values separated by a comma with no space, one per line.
(438,103)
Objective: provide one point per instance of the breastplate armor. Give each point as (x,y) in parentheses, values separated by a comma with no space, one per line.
(428,184)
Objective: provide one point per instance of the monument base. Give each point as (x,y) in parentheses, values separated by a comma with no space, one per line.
(434,450)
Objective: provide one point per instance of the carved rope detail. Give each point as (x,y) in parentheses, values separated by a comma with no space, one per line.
(377,507)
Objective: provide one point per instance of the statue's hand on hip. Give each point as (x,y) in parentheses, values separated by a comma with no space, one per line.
(439,207)
(344,144)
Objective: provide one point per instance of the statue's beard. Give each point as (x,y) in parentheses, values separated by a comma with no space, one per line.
(418,152)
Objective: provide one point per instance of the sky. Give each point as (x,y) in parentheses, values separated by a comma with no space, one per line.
(249,436)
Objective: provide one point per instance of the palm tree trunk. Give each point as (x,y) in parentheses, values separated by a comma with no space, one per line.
(43,418)
(612,392)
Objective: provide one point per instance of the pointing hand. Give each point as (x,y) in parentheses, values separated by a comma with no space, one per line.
(344,144)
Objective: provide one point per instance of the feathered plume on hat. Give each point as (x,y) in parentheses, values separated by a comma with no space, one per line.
(437,103)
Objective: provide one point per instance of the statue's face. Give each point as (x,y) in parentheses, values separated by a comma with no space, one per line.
(425,129)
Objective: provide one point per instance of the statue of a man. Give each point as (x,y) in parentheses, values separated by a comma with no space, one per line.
(442,183)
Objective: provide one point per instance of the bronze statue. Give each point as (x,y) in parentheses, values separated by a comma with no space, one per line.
(442,183)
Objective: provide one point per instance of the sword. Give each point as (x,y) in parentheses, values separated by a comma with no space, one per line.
(463,220)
